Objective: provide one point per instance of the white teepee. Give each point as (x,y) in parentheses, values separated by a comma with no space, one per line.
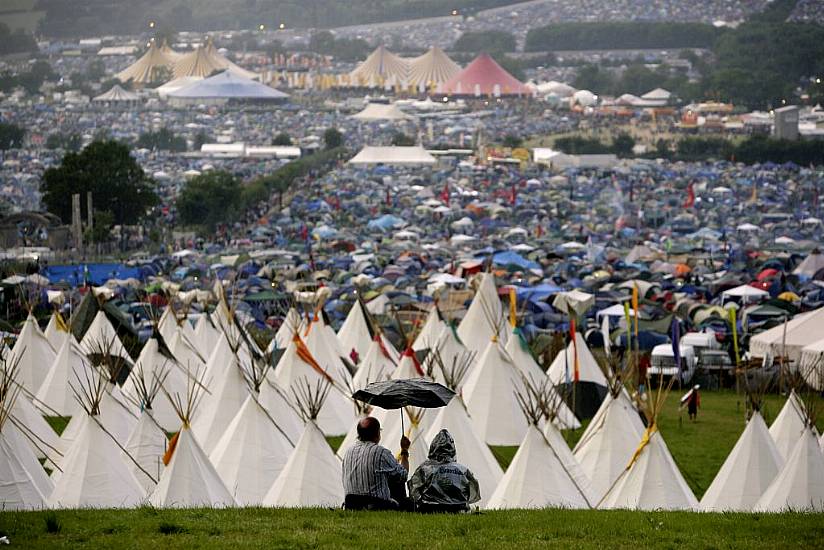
(94,473)
(216,411)
(23,483)
(522,358)
(651,481)
(296,364)
(101,334)
(312,475)
(428,337)
(788,426)
(374,366)
(800,483)
(484,318)
(354,333)
(189,479)
(251,453)
(56,392)
(45,441)
(278,404)
(609,441)
(146,445)
(491,392)
(55,330)
(543,474)
(748,470)
(33,354)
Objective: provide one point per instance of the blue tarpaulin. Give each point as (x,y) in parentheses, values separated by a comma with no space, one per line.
(95,274)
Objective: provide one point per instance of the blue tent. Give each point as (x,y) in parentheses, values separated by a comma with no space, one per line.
(229,86)
(513,258)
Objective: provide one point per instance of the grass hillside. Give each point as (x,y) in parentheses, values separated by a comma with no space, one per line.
(283,528)
(101,17)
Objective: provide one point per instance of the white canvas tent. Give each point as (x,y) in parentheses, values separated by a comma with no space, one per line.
(33,354)
(311,477)
(251,453)
(800,483)
(484,318)
(788,425)
(381,111)
(393,155)
(609,441)
(747,472)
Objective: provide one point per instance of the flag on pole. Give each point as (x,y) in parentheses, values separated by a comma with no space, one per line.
(629,324)
(445,193)
(733,323)
(605,334)
(675,333)
(690,196)
(635,307)
(575,372)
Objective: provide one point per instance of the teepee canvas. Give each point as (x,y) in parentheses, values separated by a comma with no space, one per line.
(55,392)
(189,479)
(747,472)
(254,447)
(799,484)
(788,426)
(34,355)
(94,473)
(311,476)
(23,483)
(484,318)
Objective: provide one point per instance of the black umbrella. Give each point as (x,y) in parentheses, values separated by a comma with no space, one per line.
(414,392)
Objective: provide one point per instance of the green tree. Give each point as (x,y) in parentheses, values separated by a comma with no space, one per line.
(11,136)
(102,227)
(332,138)
(622,145)
(106,169)
(68,142)
(209,199)
(200,138)
(485,41)
(512,141)
(162,140)
(402,140)
(282,139)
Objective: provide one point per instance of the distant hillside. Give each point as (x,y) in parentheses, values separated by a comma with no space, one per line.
(72,18)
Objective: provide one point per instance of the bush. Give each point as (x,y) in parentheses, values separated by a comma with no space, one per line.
(162,140)
(332,138)
(11,136)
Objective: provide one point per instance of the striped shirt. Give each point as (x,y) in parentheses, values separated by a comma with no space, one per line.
(368,468)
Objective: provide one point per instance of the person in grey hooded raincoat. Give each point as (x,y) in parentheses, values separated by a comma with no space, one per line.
(441,484)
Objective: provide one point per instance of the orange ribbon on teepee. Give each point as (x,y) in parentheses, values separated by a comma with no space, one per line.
(167,456)
(306,356)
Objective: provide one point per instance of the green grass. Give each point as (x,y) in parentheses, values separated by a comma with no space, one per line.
(58,423)
(272,528)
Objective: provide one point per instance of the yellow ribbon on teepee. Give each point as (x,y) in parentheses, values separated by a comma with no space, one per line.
(635,307)
(513,304)
(651,429)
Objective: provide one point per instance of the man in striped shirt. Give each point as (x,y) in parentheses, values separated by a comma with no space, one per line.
(370,472)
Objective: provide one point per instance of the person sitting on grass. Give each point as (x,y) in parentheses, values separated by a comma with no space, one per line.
(372,478)
(441,484)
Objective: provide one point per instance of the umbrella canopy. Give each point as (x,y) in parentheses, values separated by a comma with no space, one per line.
(394,394)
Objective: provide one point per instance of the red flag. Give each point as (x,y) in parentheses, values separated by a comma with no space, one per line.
(388,198)
(690,196)
(513,195)
(445,193)
(576,374)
